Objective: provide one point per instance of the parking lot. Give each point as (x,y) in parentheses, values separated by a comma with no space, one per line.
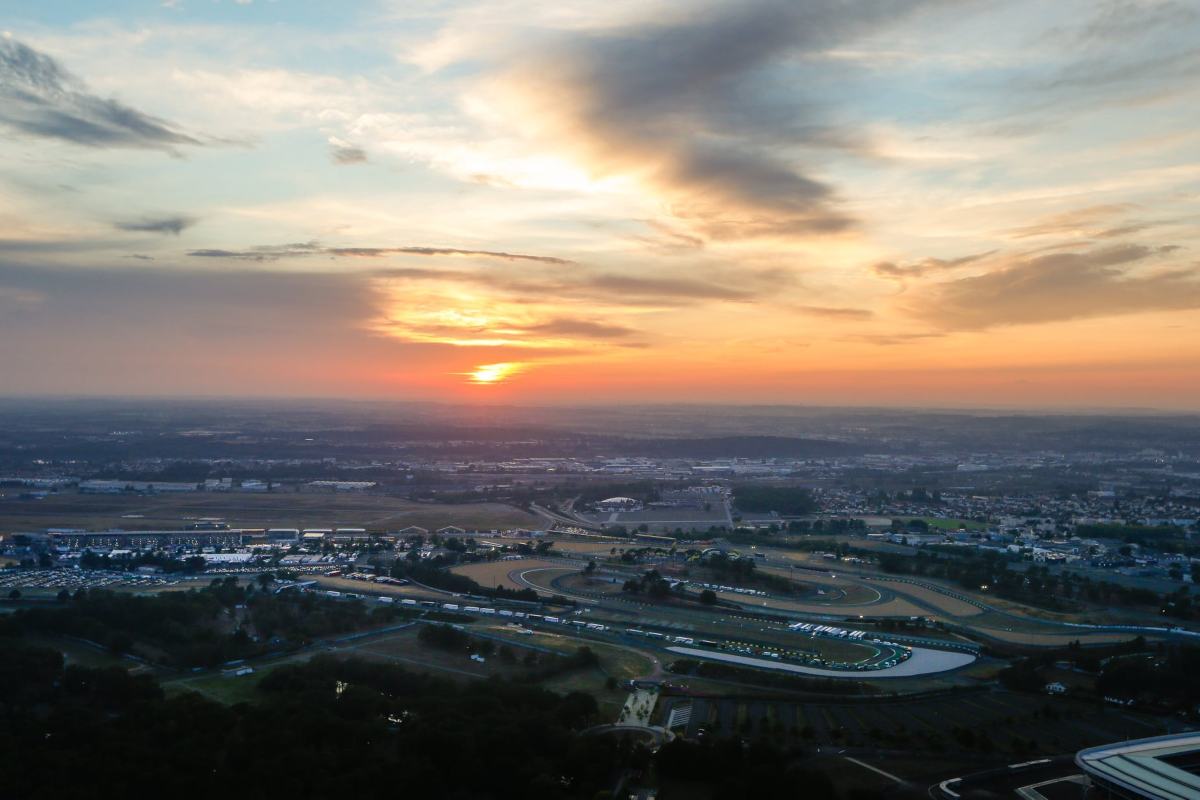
(52,581)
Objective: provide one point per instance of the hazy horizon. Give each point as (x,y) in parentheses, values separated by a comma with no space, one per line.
(532,404)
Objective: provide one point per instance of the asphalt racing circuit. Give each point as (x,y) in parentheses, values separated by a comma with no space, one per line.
(734,632)
(760,629)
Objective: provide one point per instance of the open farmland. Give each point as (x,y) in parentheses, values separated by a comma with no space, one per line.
(274,509)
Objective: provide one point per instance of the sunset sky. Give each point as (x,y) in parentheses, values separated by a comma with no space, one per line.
(869,203)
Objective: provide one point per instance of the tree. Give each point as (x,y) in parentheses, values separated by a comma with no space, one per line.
(590,568)
(708,597)
(15,594)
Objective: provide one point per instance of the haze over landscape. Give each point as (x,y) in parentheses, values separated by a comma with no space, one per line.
(875,203)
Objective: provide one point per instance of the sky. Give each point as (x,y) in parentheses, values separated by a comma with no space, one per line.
(864,202)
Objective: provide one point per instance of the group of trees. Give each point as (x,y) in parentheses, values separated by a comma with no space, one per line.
(1165,678)
(1160,675)
(786,500)
(1033,584)
(734,771)
(652,584)
(191,565)
(202,627)
(323,729)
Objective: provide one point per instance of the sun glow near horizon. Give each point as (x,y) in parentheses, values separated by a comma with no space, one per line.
(491,374)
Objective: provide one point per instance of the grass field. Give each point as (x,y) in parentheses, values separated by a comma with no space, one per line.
(897,607)
(228,689)
(583,547)
(496,573)
(1055,639)
(948,605)
(621,663)
(604,585)
(78,653)
(840,589)
(276,509)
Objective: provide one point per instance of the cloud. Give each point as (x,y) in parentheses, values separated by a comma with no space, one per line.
(919,269)
(41,99)
(629,287)
(262,252)
(345,153)
(1122,20)
(1060,286)
(611,289)
(1103,73)
(462,330)
(579,328)
(374,252)
(313,248)
(1094,222)
(668,240)
(174,224)
(619,101)
(836,313)
(890,339)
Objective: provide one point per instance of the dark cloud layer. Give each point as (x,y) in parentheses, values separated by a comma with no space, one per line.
(173,224)
(40,98)
(676,101)
(346,154)
(272,252)
(1061,286)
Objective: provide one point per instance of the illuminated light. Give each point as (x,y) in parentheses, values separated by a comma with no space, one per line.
(488,374)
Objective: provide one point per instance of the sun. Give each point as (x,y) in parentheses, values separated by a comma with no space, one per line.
(488,374)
